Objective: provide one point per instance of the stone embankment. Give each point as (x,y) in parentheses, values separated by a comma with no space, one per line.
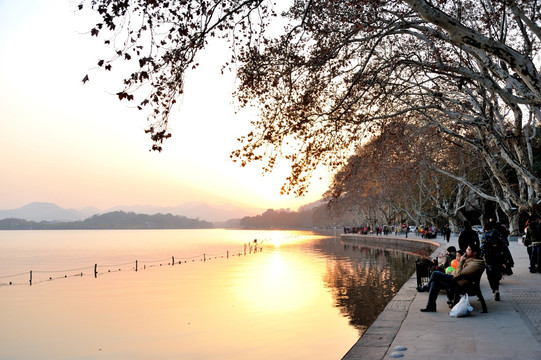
(410,244)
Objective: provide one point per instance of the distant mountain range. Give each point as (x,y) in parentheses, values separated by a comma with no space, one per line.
(111,220)
(42,211)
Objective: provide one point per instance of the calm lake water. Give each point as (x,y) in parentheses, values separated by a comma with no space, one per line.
(304,296)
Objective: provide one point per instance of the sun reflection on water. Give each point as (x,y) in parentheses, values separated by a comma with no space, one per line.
(279,283)
(289,238)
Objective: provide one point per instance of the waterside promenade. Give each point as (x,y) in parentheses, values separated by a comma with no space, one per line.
(510,330)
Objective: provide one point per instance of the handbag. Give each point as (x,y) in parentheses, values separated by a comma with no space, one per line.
(462,308)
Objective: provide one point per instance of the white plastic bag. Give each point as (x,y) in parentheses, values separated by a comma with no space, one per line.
(462,308)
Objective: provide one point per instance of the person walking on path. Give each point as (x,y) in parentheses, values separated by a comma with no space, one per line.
(504,232)
(469,267)
(497,257)
(446,232)
(467,236)
(533,235)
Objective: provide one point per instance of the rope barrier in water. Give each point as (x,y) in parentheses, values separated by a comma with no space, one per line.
(8,276)
(135,266)
(53,271)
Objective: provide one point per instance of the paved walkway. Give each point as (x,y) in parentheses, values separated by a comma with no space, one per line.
(510,330)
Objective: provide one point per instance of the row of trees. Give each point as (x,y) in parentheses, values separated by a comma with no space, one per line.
(344,74)
(278,219)
(402,177)
(315,215)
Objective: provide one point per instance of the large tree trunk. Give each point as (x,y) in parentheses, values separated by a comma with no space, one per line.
(454,225)
(514,226)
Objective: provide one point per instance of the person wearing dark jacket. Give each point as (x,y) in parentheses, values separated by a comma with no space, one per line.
(497,257)
(449,257)
(467,236)
(446,233)
(533,234)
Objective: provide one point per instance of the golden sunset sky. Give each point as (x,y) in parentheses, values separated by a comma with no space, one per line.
(76,145)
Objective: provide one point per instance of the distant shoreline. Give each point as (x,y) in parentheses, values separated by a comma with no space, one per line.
(116,220)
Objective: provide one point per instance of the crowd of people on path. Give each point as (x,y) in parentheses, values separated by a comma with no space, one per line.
(366,230)
(476,254)
(425,231)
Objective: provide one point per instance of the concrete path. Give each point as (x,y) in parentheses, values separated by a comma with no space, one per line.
(510,330)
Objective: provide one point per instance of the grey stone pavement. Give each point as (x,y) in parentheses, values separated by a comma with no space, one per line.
(510,330)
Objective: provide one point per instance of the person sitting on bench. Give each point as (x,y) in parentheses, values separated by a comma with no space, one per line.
(470,266)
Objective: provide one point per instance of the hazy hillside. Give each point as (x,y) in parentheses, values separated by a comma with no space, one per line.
(51,216)
(196,210)
(41,211)
(112,220)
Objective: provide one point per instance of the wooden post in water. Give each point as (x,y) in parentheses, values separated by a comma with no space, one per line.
(228,254)
(95,270)
(173,261)
(30,277)
(204,257)
(135,265)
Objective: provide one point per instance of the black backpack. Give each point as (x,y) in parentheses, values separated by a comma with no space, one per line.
(492,246)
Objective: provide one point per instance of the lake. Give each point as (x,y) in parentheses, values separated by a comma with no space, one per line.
(189,294)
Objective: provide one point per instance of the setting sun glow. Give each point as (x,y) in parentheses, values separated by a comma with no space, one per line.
(278,283)
(89,149)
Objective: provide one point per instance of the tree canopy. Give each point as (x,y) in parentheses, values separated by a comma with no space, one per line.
(340,71)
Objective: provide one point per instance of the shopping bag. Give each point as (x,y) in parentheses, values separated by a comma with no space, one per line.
(462,308)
